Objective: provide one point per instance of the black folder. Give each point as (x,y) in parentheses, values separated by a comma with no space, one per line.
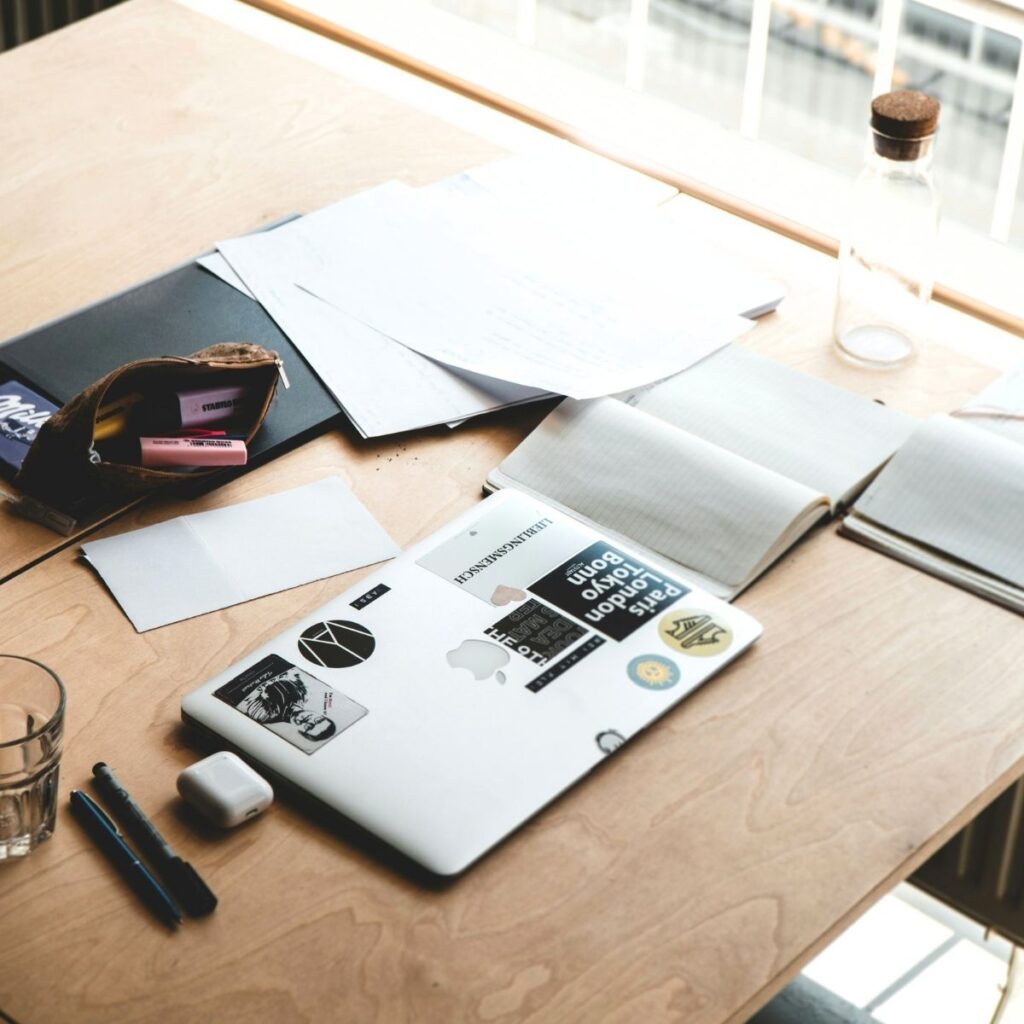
(175,314)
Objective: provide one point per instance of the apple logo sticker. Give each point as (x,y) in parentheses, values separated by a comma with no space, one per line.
(480,657)
(609,741)
(506,595)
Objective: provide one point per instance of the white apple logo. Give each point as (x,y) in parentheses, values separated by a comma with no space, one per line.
(481,657)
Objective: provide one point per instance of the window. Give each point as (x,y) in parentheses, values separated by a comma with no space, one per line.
(764,100)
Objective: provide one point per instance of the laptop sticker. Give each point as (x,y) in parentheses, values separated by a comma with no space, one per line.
(608,589)
(508,546)
(695,632)
(560,667)
(506,595)
(536,632)
(291,703)
(609,741)
(337,644)
(370,596)
(653,672)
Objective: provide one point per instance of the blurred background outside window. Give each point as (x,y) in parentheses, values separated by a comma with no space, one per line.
(766,100)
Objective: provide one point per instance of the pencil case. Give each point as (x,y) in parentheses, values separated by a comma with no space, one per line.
(70,473)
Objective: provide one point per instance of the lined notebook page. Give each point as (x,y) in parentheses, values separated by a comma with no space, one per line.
(825,437)
(705,508)
(958,489)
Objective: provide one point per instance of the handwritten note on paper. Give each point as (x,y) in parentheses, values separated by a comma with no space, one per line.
(468,283)
(384,387)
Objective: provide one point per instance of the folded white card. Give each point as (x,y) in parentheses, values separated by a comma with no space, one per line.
(196,564)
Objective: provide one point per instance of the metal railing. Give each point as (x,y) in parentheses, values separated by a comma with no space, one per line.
(872,34)
(22,20)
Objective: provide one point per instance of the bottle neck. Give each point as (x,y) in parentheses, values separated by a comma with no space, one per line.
(901,156)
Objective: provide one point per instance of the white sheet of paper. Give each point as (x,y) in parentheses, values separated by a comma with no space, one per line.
(198,563)
(215,263)
(384,387)
(478,285)
(605,206)
(562,175)
(999,409)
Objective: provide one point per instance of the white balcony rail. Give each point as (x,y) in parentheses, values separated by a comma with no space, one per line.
(882,38)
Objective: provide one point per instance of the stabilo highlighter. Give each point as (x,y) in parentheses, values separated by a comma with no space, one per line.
(209,405)
(191,451)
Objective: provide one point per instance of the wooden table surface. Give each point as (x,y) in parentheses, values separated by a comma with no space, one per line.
(689,879)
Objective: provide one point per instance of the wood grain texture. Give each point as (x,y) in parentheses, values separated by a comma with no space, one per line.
(684,881)
(138,138)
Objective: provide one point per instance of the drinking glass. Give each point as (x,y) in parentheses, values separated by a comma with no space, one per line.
(32,703)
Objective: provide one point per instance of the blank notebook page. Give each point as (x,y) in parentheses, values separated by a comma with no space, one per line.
(958,489)
(825,437)
(700,506)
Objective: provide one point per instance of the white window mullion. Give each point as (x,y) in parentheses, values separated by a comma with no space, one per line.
(1009,172)
(885,57)
(757,57)
(526,22)
(636,45)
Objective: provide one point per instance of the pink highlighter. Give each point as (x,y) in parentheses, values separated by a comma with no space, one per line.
(191,451)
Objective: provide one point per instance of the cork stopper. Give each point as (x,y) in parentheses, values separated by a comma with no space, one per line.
(902,122)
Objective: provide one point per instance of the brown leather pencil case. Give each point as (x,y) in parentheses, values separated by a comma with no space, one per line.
(69,470)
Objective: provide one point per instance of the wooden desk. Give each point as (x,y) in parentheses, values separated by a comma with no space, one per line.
(685,882)
(121,163)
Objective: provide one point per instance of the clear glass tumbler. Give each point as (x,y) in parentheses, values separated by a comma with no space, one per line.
(32,702)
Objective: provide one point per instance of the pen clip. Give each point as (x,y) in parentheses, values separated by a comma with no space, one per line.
(98,811)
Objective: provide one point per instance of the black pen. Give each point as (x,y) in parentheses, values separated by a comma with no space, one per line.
(182,879)
(104,834)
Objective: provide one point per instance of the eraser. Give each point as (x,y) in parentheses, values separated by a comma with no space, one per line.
(225,790)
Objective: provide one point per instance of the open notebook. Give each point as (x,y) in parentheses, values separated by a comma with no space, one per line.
(720,468)
(951,502)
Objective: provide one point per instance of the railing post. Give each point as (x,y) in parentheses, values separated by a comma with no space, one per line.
(1013,149)
(636,44)
(526,22)
(757,56)
(885,56)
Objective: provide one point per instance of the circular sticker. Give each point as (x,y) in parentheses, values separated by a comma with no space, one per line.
(609,741)
(336,644)
(695,632)
(653,672)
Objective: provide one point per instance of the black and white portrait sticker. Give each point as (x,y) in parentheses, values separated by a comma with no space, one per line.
(291,703)
(609,590)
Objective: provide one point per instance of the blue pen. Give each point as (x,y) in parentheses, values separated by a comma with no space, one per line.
(104,834)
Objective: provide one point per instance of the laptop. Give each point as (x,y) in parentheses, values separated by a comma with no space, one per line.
(453,693)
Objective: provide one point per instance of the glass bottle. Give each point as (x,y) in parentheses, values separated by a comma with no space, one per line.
(887,257)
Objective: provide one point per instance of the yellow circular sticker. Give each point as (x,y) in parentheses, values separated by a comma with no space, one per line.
(695,632)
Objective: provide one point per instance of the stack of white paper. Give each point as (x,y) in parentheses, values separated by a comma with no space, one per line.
(418,307)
